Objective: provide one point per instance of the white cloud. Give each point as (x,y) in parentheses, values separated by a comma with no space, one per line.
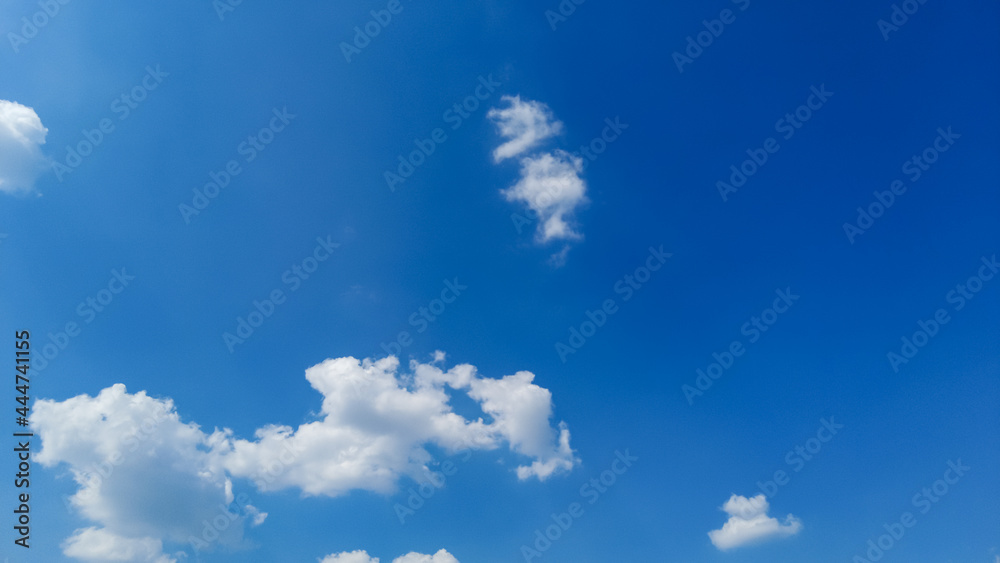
(375,424)
(21,159)
(359,556)
(99,545)
(441,556)
(552,188)
(374,427)
(350,557)
(525,123)
(748,523)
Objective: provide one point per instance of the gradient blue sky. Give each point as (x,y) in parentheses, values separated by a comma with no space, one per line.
(655,185)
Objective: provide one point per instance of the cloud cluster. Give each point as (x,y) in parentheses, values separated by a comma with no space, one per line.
(374,428)
(21,136)
(551,186)
(441,556)
(749,523)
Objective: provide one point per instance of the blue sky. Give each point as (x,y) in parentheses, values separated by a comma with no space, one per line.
(467,226)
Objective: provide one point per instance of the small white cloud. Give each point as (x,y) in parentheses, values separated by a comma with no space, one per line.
(525,123)
(552,188)
(21,136)
(148,478)
(360,556)
(100,545)
(748,523)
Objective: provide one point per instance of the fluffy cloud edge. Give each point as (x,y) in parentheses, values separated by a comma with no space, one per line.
(21,137)
(371,433)
(524,123)
(749,523)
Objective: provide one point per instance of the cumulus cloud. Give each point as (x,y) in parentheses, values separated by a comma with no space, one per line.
(749,523)
(375,424)
(551,187)
(21,136)
(374,428)
(525,123)
(359,556)
(100,545)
